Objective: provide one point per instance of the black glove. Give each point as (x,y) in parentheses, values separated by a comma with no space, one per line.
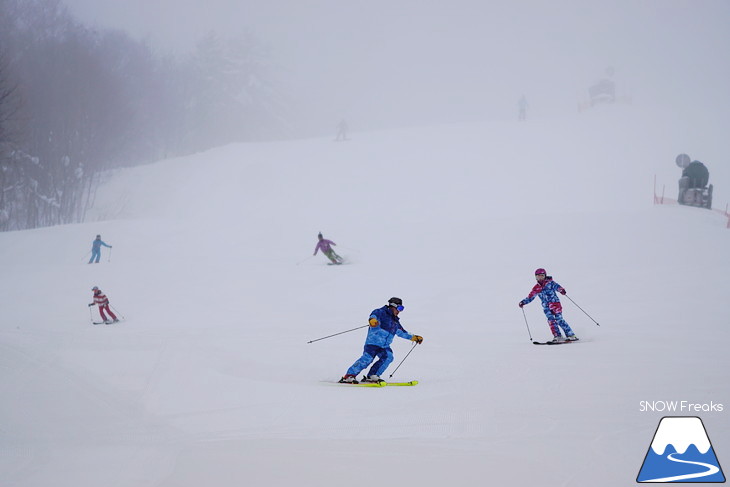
(562,291)
(521,304)
(91,304)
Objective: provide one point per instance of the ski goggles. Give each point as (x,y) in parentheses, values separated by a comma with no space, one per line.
(399,307)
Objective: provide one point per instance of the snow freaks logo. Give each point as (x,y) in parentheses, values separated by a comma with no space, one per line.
(681,452)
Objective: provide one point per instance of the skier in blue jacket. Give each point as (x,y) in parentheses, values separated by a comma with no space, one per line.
(551,306)
(96,249)
(384,326)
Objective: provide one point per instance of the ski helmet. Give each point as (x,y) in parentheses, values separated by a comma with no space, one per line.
(540,271)
(95,288)
(319,236)
(397,303)
(98,236)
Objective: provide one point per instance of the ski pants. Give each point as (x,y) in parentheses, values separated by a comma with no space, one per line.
(103,308)
(370,352)
(95,254)
(554,314)
(331,255)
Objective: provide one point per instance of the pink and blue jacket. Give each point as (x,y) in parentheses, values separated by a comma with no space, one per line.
(546,291)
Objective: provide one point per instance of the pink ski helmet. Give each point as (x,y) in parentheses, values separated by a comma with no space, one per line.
(540,271)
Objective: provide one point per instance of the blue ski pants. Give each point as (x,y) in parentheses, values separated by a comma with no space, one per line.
(95,255)
(556,322)
(370,352)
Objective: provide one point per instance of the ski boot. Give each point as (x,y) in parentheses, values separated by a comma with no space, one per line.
(348,379)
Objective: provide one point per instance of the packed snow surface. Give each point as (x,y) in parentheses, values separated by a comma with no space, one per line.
(209,380)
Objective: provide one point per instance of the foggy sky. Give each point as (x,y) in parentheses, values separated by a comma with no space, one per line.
(390,63)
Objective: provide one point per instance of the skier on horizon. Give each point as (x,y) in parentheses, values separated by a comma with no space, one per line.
(341,131)
(326,247)
(96,249)
(384,326)
(102,301)
(522,109)
(546,289)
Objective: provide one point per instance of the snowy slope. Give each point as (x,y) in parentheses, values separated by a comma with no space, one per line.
(210,381)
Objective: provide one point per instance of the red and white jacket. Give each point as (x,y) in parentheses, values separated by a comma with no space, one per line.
(101,299)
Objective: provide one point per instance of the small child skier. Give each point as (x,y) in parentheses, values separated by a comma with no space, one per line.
(96,249)
(326,247)
(102,301)
(384,326)
(546,289)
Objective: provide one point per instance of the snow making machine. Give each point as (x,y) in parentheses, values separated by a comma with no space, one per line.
(693,185)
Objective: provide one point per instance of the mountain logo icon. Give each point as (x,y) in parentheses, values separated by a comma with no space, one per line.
(681,452)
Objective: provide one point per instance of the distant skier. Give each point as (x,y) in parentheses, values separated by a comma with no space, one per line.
(326,247)
(546,289)
(522,109)
(384,326)
(102,301)
(341,131)
(96,249)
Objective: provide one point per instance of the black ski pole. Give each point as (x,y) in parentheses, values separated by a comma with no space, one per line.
(109,259)
(404,359)
(528,326)
(340,333)
(589,316)
(91,316)
(302,261)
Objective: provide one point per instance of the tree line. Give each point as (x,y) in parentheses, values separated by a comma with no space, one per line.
(76,102)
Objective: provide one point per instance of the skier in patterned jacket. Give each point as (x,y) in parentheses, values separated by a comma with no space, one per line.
(546,289)
(384,326)
(102,301)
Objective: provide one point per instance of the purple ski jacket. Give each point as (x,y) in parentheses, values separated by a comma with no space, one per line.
(324,246)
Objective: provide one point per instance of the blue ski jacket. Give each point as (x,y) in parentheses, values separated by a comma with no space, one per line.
(96,245)
(387,326)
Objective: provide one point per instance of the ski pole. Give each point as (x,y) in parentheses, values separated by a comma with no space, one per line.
(302,261)
(589,316)
(91,316)
(528,326)
(340,333)
(109,259)
(117,312)
(404,359)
